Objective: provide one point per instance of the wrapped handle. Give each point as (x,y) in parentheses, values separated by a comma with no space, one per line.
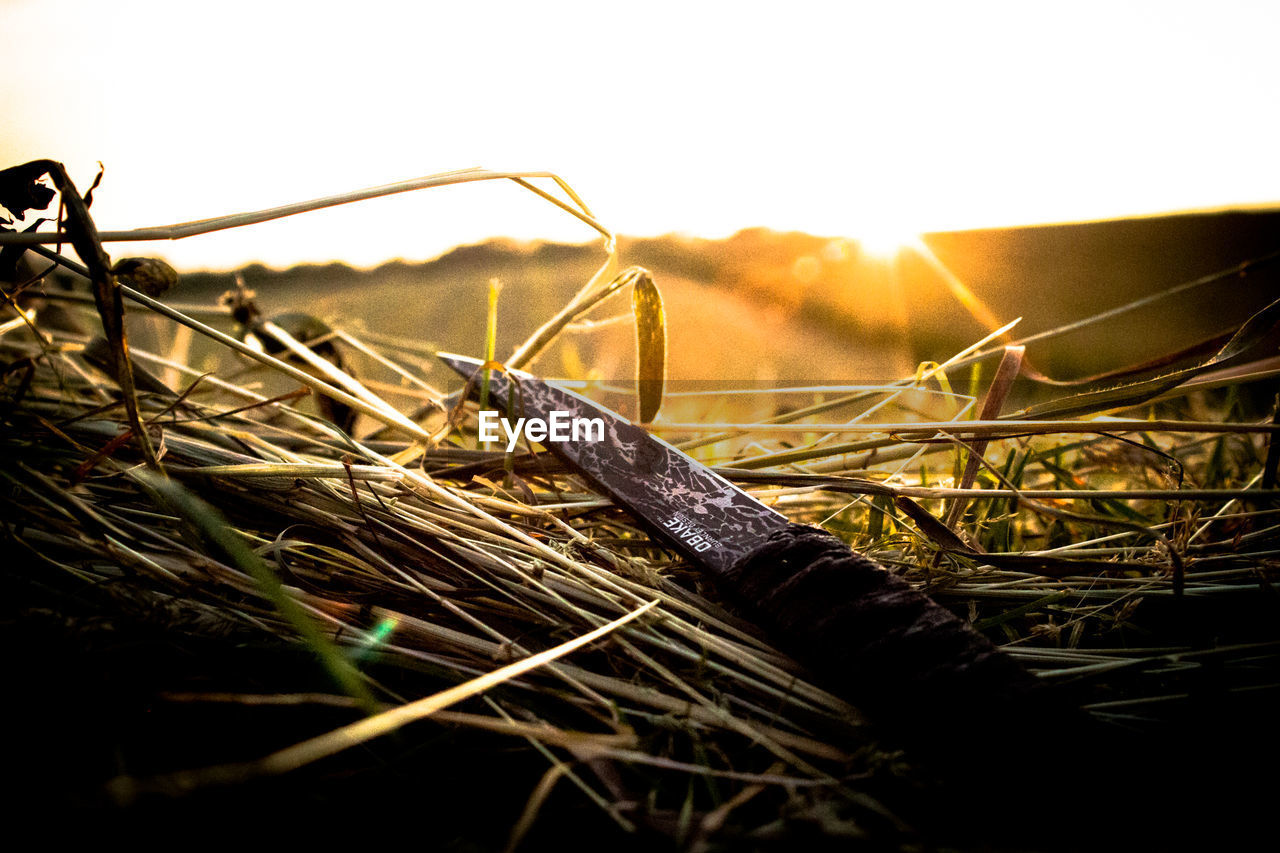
(915,668)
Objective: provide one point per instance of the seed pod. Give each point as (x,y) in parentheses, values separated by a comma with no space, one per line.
(150,275)
(651,345)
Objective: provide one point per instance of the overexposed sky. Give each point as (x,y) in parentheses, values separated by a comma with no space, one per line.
(697,117)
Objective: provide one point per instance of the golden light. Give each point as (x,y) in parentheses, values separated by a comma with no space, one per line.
(945,135)
(885,242)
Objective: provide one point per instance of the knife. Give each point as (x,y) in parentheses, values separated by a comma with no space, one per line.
(916,669)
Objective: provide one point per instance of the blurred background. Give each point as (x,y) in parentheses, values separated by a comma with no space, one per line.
(769,162)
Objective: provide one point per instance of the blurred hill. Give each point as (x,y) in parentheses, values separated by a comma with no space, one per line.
(763,305)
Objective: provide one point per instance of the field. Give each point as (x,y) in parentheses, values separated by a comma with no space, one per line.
(294,617)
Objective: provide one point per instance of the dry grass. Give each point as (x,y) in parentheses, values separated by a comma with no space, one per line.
(1128,549)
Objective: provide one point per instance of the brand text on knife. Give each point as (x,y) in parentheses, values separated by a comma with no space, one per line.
(560,426)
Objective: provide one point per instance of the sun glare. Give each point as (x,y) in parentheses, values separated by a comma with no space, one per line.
(886,242)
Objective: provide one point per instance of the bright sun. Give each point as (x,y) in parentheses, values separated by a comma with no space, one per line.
(885,242)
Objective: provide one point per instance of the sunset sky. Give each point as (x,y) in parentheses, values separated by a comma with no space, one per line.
(839,119)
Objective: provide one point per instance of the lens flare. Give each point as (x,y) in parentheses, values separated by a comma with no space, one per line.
(374,638)
(885,241)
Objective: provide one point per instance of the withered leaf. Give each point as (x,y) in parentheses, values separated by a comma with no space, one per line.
(21,190)
(88,196)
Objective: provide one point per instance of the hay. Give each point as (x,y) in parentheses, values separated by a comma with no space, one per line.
(1128,550)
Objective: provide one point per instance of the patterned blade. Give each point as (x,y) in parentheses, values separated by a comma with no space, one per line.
(682,502)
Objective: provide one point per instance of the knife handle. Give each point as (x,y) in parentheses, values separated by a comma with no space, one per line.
(915,668)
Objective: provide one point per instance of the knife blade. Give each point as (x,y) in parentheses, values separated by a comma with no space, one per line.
(913,666)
